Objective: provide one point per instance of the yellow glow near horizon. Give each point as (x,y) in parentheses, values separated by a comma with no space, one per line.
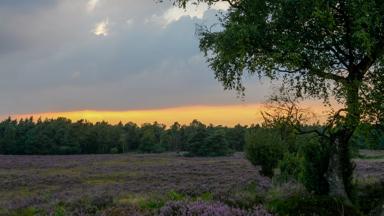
(229,115)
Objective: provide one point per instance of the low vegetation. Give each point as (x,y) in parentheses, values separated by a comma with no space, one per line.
(167,184)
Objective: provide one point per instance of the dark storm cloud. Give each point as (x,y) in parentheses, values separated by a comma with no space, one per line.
(51,60)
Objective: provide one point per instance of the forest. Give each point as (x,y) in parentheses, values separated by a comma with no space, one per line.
(62,136)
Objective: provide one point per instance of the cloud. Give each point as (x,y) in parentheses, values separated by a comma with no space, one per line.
(101,28)
(223,6)
(174,14)
(27,5)
(51,59)
(92,4)
(129,22)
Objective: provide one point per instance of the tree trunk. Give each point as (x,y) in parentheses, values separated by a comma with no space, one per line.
(340,168)
(335,177)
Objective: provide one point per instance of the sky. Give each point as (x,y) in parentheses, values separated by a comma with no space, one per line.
(112,59)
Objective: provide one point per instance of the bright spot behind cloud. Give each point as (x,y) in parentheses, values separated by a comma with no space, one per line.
(129,22)
(101,28)
(91,5)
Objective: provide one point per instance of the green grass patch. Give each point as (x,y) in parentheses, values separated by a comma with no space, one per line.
(24,212)
(152,203)
(206,196)
(175,196)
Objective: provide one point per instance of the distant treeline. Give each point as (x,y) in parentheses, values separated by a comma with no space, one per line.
(62,136)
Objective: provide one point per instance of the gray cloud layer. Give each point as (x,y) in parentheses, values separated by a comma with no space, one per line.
(50,59)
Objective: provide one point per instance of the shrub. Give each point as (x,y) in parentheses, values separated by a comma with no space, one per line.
(114,150)
(244,198)
(264,147)
(314,166)
(58,211)
(311,205)
(151,203)
(123,211)
(370,197)
(207,208)
(175,196)
(290,167)
(89,205)
(24,212)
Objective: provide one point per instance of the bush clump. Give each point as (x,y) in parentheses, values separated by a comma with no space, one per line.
(314,166)
(370,197)
(290,167)
(264,147)
(311,205)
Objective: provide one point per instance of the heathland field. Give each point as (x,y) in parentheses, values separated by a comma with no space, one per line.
(143,184)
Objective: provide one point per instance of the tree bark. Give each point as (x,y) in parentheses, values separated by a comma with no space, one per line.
(335,177)
(340,168)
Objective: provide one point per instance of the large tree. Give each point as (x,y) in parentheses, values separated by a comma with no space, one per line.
(320,49)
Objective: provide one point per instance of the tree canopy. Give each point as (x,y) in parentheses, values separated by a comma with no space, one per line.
(320,49)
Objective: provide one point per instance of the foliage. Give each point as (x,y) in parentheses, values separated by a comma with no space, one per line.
(24,212)
(311,205)
(368,136)
(214,145)
(62,136)
(235,137)
(244,198)
(314,167)
(150,141)
(198,134)
(290,167)
(206,208)
(370,197)
(264,147)
(207,141)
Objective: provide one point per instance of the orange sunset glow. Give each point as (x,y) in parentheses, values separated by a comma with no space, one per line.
(229,115)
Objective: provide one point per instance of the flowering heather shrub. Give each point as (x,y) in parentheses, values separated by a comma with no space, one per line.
(207,209)
(122,211)
(44,181)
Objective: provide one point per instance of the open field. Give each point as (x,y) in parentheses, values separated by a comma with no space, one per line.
(371,166)
(45,181)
